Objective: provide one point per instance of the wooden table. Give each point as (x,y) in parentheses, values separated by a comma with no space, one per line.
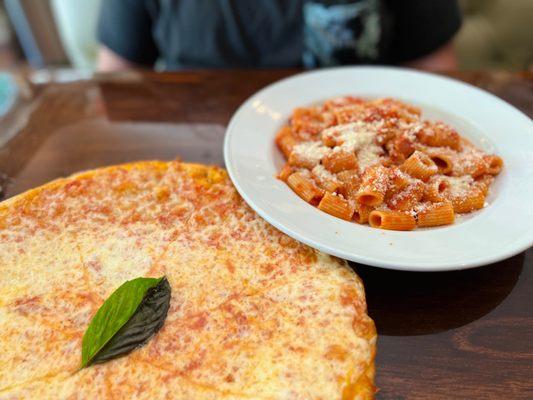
(454,335)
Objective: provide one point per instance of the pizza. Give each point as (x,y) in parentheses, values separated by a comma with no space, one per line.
(253,314)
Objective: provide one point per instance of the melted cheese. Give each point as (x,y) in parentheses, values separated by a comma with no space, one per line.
(254,314)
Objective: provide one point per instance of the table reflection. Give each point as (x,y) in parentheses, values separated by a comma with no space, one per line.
(417,303)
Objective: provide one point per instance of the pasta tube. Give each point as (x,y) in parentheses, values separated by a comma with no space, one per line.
(374,186)
(304,187)
(392,220)
(337,206)
(436,214)
(419,165)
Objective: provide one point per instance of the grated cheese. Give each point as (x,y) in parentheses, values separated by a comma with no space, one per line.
(460,186)
(358,137)
(420,208)
(398,173)
(468,158)
(311,151)
(323,174)
(411,129)
(368,156)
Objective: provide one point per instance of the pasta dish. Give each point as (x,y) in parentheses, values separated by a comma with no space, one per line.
(378,162)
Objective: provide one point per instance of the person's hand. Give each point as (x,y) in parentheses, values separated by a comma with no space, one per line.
(109,61)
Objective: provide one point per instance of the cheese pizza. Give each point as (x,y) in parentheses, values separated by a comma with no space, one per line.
(253,313)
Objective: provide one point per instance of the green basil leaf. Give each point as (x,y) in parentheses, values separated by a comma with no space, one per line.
(126,320)
(146,321)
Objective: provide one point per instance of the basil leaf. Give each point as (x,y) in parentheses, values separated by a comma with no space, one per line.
(146,321)
(126,320)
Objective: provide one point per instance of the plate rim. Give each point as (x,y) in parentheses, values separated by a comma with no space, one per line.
(475,262)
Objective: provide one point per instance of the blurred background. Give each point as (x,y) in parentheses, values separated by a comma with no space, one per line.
(36,34)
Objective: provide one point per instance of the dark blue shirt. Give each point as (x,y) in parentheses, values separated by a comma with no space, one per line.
(275,33)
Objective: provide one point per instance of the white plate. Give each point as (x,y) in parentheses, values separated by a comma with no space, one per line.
(502,229)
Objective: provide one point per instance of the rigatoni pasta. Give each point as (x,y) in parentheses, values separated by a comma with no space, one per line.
(337,161)
(378,162)
(374,186)
(419,165)
(361,213)
(473,200)
(435,214)
(442,157)
(304,187)
(286,141)
(337,206)
(393,220)
(285,172)
(494,164)
(350,183)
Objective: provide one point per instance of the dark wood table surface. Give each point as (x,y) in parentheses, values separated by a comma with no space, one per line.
(454,335)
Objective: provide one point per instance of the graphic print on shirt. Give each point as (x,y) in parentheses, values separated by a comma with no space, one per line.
(341,33)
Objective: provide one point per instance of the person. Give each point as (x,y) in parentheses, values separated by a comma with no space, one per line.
(186,34)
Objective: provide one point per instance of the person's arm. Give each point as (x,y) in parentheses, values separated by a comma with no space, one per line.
(125,35)
(443,59)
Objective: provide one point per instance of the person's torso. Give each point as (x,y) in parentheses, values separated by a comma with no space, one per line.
(267,33)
